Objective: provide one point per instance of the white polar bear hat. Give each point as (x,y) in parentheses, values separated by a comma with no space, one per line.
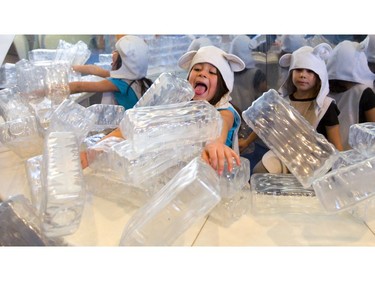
(198,43)
(349,62)
(242,47)
(292,42)
(308,58)
(226,63)
(133,51)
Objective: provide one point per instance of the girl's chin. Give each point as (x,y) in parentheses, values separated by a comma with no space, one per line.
(199,97)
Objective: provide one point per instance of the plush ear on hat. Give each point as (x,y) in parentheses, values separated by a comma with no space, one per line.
(253,44)
(323,51)
(285,60)
(185,60)
(362,46)
(236,64)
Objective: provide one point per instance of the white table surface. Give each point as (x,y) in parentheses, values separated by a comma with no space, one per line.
(288,230)
(103,221)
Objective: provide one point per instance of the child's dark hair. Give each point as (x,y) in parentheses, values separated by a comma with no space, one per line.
(221,89)
(339,86)
(145,85)
(144,82)
(117,64)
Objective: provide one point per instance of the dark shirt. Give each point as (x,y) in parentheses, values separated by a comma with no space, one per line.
(330,118)
(366,103)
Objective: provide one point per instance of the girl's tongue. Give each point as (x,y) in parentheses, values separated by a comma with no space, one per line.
(200,89)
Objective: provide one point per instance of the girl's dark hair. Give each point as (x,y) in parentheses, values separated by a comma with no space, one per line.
(117,64)
(339,86)
(221,89)
(144,82)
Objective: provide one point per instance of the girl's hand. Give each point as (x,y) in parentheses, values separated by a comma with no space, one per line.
(84,161)
(215,154)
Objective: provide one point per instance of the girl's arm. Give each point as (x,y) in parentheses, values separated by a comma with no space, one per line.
(86,86)
(115,133)
(370,115)
(83,155)
(91,69)
(215,152)
(334,137)
(243,143)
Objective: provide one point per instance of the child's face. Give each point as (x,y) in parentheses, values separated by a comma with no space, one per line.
(203,78)
(304,79)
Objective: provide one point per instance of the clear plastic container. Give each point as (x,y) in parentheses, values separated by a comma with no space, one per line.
(307,154)
(157,127)
(188,197)
(362,138)
(63,186)
(167,89)
(23,136)
(21,226)
(343,188)
(282,194)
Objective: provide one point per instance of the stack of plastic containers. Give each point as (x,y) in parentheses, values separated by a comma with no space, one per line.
(343,188)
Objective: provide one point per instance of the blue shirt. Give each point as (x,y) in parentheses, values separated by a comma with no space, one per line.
(126,98)
(236,124)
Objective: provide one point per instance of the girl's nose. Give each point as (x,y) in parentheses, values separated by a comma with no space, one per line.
(203,73)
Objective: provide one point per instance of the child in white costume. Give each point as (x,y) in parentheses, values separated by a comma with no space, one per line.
(311,59)
(289,44)
(211,74)
(351,84)
(306,89)
(127,79)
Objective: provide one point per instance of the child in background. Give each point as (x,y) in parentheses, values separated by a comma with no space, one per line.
(211,74)
(306,88)
(127,80)
(351,85)
(91,69)
(249,84)
(289,44)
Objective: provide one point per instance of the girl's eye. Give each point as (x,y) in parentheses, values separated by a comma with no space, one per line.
(213,72)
